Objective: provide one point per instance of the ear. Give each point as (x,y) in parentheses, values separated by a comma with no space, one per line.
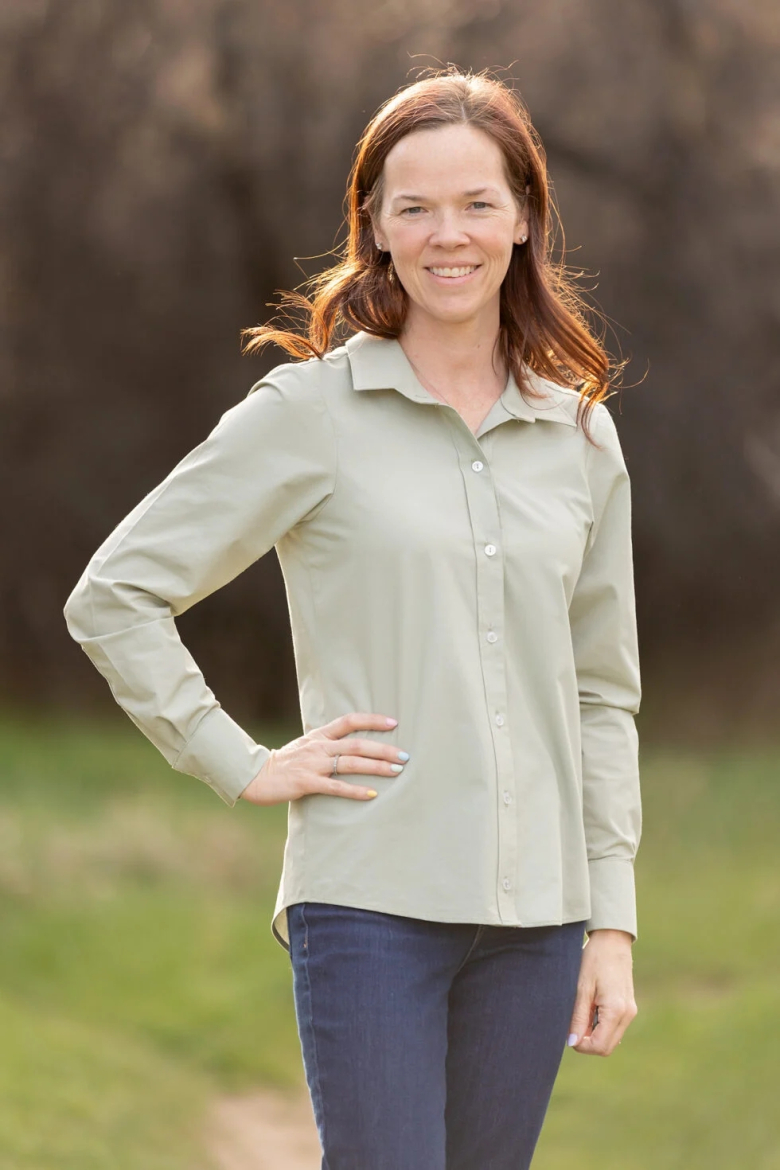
(521,221)
(372,227)
(376,235)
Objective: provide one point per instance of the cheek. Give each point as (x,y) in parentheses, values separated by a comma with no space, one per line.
(497,244)
(407,247)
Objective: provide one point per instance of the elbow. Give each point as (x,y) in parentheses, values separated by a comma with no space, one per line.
(78,610)
(90,610)
(103,603)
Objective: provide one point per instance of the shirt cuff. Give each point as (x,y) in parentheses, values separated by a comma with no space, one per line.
(222,755)
(612,895)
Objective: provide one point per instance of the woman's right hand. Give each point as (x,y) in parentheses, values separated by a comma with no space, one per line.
(304,765)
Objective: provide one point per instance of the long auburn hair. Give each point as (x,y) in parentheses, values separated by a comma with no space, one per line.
(543,317)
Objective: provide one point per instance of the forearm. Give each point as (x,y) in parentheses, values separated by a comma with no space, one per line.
(612,815)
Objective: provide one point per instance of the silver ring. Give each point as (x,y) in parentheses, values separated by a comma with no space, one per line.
(334,770)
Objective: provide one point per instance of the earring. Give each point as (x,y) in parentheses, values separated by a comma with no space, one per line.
(391,272)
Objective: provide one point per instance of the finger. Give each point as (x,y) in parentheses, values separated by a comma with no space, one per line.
(333,787)
(360,765)
(356,721)
(582,1015)
(605,1037)
(369,748)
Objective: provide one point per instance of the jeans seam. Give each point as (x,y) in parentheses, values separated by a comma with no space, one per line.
(315,1053)
(474,941)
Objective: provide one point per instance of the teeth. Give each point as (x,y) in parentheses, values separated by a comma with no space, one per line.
(453,271)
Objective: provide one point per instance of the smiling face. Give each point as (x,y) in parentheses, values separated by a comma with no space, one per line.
(449,220)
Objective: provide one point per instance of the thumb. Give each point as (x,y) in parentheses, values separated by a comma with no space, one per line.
(581,1015)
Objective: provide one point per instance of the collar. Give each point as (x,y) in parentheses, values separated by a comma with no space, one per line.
(379,363)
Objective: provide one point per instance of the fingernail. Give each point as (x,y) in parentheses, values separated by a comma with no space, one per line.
(403,755)
(391,722)
(573,1038)
(372,792)
(397,767)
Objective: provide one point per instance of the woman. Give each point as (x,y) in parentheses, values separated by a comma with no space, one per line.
(451,510)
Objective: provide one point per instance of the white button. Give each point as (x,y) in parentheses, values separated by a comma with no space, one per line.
(506,884)
(491,636)
(490,549)
(476,465)
(499,720)
(507,797)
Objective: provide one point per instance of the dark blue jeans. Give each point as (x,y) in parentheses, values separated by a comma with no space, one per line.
(429,1045)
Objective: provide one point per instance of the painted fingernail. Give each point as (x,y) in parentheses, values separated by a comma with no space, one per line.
(403,755)
(371,792)
(573,1038)
(392,722)
(397,767)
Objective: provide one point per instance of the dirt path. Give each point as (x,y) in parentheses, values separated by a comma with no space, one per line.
(264,1130)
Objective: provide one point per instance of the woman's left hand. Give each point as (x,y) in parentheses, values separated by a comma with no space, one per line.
(606,982)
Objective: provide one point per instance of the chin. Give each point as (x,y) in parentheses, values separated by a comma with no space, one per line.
(457,315)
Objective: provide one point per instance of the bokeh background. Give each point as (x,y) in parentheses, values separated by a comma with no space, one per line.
(166,168)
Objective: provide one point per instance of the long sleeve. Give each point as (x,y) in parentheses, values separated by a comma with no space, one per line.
(268,464)
(604,634)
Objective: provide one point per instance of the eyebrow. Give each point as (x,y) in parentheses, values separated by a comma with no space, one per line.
(476,191)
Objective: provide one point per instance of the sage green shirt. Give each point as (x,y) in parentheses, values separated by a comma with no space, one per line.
(478,588)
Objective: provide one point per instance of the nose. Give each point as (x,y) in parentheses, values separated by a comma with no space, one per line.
(447,231)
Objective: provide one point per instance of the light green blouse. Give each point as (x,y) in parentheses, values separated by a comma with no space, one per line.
(478,588)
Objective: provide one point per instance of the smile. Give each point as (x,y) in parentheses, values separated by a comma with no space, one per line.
(454,275)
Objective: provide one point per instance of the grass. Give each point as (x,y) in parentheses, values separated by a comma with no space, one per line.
(139,976)
(695,1083)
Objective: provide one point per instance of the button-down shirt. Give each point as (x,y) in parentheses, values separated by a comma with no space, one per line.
(476,586)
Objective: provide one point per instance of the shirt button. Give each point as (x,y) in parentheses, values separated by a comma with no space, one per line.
(506,884)
(477,465)
(490,549)
(507,796)
(491,636)
(499,720)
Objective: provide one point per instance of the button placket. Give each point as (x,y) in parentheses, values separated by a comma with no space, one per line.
(488,549)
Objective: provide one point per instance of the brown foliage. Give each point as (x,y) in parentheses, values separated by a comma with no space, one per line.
(165,163)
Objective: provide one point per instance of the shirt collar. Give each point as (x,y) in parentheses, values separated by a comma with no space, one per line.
(379,363)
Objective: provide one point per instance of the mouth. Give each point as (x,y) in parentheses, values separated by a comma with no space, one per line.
(446,274)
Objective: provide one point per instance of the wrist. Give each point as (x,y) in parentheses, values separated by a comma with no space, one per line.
(608,934)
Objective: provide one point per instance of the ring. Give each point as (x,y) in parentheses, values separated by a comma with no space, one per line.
(334,770)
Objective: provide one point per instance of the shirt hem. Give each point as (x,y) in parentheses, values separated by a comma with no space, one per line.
(279,917)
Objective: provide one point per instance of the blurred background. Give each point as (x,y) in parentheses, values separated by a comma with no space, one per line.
(166,168)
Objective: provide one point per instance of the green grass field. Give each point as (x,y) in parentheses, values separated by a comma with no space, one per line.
(139,977)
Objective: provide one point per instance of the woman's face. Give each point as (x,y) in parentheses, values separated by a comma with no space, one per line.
(447,204)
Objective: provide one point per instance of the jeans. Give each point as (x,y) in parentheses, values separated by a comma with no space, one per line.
(429,1045)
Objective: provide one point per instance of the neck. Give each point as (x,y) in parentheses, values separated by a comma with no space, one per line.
(462,357)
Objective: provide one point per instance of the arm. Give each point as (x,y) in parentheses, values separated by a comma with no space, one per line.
(268,464)
(604,636)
